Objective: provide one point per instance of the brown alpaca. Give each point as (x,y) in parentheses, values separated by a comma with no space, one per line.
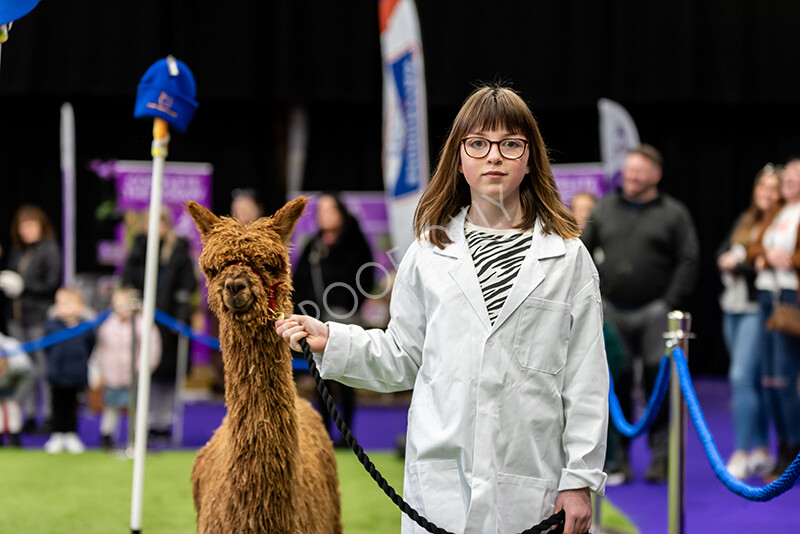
(270,466)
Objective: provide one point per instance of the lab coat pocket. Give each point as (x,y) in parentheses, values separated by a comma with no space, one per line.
(542,336)
(523,502)
(439,485)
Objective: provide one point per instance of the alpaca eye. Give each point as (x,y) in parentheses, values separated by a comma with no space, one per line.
(270,269)
(213,272)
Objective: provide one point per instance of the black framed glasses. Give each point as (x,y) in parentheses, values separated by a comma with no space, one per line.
(479,147)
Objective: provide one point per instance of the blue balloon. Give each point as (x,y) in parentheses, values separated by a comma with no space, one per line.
(11,10)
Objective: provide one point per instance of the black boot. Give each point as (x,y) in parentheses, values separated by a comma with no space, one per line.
(783,461)
(657,472)
(107,442)
(790,453)
(13,439)
(30,425)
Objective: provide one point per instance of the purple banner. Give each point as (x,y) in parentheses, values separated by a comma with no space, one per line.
(182,182)
(578,178)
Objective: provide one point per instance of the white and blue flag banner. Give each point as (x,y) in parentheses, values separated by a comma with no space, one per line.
(405,121)
(618,135)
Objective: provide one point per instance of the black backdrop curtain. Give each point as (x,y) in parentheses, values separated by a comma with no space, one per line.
(712,83)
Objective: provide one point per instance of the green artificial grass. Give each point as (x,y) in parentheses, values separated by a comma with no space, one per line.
(613,521)
(91,493)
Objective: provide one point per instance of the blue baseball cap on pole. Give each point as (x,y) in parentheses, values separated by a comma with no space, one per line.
(11,10)
(167,91)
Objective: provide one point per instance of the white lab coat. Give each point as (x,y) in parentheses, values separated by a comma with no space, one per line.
(502,416)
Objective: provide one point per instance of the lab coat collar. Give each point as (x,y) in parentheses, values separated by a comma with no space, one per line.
(530,274)
(462,270)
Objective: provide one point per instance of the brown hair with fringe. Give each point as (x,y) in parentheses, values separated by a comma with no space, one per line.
(754,216)
(490,107)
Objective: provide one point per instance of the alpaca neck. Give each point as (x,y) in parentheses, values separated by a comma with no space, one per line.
(260,395)
(258,374)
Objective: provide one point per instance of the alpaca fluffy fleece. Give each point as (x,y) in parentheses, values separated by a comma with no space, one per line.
(270,467)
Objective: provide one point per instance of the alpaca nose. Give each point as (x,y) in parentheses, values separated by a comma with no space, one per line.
(234,286)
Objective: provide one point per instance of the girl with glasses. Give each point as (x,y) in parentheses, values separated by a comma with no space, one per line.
(496,325)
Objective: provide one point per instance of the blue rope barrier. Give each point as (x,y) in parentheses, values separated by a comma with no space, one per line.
(57,337)
(653,405)
(209,341)
(183,329)
(751,493)
(160,317)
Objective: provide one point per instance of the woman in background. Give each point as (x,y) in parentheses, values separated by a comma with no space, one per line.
(176,286)
(329,283)
(741,327)
(34,267)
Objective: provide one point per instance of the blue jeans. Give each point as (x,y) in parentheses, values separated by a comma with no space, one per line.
(781,369)
(743,337)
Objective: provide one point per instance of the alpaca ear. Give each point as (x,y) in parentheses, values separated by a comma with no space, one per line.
(203,218)
(286,218)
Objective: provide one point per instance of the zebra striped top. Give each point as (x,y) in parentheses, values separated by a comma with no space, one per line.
(497,255)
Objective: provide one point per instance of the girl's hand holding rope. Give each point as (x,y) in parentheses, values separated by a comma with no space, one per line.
(296,327)
(577,505)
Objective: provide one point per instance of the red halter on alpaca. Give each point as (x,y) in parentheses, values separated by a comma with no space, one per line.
(273,314)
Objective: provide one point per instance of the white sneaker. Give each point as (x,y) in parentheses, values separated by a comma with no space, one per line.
(55,444)
(738,465)
(73,443)
(615,479)
(761,461)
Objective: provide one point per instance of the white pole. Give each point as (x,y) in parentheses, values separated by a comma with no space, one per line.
(68,186)
(159,151)
(298,149)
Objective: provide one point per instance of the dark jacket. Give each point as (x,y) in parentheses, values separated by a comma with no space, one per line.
(176,285)
(650,250)
(40,267)
(338,265)
(67,361)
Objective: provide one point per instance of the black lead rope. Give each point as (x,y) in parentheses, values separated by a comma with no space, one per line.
(555,520)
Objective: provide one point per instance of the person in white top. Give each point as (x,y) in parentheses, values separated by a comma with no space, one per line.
(507,423)
(777,258)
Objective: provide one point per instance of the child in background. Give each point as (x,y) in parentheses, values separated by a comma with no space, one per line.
(16,377)
(67,371)
(110,364)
